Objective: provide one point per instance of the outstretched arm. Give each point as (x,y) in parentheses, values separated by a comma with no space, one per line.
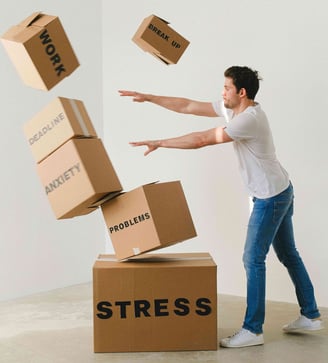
(194,140)
(176,104)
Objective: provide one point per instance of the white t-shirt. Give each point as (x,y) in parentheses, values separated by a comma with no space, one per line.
(260,169)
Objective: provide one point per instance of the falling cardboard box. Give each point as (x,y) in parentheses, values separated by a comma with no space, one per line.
(76,176)
(40,50)
(147,218)
(163,302)
(55,124)
(155,36)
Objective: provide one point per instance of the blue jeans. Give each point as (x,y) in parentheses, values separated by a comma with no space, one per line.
(271,223)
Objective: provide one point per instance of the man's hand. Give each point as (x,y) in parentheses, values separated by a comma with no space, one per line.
(136,96)
(152,145)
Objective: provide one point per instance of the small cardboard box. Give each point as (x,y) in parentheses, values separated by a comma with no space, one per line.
(163,302)
(155,36)
(40,51)
(76,175)
(55,124)
(147,218)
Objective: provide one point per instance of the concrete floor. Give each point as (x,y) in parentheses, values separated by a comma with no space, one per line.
(56,327)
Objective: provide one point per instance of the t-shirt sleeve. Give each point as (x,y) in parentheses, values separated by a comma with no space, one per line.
(243,126)
(217,108)
(221,111)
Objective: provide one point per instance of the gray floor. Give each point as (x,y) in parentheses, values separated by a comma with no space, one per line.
(57,327)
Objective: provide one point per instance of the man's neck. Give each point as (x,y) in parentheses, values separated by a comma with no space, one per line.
(243,105)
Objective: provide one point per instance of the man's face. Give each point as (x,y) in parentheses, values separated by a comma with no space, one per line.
(230,96)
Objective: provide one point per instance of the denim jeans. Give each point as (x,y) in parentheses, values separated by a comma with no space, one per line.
(271,223)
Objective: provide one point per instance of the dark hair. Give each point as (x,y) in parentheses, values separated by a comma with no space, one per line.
(244,77)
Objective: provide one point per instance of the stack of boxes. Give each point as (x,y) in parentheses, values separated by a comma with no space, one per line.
(142,302)
(72,162)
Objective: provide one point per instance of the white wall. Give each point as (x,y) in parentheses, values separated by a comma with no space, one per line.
(38,252)
(286,42)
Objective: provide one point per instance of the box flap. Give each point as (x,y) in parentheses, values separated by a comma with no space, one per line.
(157,55)
(31,19)
(106,198)
(165,257)
(155,260)
(151,183)
(165,21)
(113,195)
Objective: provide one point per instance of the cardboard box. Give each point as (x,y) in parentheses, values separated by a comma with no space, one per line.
(76,175)
(147,218)
(55,124)
(163,302)
(40,50)
(155,36)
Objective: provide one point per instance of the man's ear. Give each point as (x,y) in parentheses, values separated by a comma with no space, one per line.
(242,92)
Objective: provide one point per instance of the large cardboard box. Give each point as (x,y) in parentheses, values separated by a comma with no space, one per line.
(155,36)
(163,302)
(76,175)
(147,218)
(40,50)
(59,121)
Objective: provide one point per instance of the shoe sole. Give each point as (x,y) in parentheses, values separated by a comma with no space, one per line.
(302,330)
(240,346)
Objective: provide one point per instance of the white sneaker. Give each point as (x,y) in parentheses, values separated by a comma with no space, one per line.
(303,323)
(243,338)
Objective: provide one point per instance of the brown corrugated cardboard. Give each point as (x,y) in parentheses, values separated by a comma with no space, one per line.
(150,217)
(76,175)
(163,302)
(59,121)
(155,36)
(40,50)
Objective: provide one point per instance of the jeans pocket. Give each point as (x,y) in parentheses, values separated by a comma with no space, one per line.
(259,212)
(281,209)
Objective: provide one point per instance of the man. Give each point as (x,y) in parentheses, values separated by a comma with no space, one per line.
(268,183)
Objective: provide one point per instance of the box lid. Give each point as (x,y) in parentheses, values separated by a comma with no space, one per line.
(27,28)
(156,260)
(158,17)
(113,195)
(30,19)
(38,19)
